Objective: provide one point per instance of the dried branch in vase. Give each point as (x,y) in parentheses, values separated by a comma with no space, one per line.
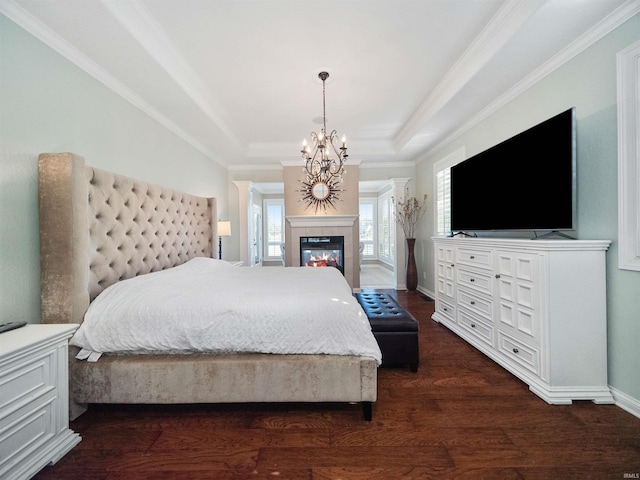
(408,214)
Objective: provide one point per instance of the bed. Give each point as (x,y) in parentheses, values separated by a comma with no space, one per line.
(100,232)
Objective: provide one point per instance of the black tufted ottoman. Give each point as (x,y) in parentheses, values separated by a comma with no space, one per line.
(395,329)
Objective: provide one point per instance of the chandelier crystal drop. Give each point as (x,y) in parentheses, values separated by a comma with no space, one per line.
(324,161)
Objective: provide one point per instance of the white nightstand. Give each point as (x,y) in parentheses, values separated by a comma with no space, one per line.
(34,399)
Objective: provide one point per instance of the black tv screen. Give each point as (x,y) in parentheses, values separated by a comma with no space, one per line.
(527,182)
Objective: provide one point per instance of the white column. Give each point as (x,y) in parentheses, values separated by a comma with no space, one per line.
(244,217)
(399,260)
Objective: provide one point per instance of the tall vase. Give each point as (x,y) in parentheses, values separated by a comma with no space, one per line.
(411,271)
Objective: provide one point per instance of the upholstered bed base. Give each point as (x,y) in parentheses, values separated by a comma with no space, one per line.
(97,228)
(169,379)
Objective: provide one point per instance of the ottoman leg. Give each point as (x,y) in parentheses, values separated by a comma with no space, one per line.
(414,354)
(367,410)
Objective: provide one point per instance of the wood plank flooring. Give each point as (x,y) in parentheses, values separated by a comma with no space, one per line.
(460,416)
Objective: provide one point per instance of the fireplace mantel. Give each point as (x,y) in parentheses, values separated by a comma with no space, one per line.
(304,221)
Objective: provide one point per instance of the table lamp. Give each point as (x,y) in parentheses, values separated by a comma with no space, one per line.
(224,230)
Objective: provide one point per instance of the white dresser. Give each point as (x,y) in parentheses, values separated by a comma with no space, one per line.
(536,307)
(34,399)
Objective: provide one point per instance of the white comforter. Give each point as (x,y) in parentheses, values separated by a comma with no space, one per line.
(208,305)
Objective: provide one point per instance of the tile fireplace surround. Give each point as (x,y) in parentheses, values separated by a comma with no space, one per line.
(325,225)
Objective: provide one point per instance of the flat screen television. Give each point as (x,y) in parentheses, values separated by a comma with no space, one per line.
(527,182)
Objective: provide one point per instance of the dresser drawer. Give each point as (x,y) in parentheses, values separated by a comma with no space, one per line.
(479,304)
(26,431)
(478,328)
(34,399)
(23,382)
(525,355)
(476,258)
(446,309)
(480,281)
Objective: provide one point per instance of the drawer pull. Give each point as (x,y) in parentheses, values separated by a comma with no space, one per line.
(472,280)
(472,302)
(472,257)
(498,275)
(473,325)
(445,309)
(515,350)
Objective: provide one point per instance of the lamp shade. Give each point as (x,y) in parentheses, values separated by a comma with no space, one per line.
(224,229)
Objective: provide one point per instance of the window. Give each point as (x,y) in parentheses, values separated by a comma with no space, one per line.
(442,189)
(274,228)
(443,201)
(386,228)
(628,158)
(368,225)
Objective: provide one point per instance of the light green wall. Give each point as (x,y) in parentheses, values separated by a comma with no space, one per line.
(49,105)
(587,82)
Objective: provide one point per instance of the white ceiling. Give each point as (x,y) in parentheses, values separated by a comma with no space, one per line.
(238,78)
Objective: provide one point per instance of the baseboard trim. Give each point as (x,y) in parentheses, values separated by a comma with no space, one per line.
(426,292)
(626,402)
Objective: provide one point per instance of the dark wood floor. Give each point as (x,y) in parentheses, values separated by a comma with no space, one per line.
(460,416)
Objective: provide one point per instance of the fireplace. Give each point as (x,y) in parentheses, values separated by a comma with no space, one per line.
(298,226)
(322,252)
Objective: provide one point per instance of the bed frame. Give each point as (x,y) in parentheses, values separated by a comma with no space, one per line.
(97,228)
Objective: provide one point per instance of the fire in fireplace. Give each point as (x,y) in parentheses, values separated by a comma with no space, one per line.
(322,252)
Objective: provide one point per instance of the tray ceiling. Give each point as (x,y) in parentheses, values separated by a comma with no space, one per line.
(238,79)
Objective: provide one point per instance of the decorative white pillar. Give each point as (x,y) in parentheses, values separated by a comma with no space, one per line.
(244,216)
(399,186)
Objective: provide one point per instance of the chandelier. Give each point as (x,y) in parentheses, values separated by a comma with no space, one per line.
(324,162)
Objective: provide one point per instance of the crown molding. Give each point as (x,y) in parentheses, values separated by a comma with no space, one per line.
(253,166)
(273,150)
(294,149)
(604,27)
(404,164)
(35,27)
(298,163)
(134,17)
(507,17)
(511,16)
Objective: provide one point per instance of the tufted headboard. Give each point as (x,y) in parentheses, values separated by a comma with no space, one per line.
(97,228)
